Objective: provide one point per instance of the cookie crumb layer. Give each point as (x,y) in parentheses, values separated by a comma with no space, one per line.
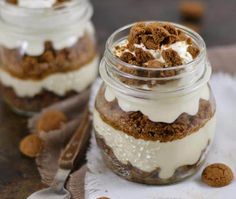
(51,61)
(138,125)
(36,103)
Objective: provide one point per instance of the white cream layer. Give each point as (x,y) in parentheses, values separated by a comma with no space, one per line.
(36,3)
(150,155)
(58,83)
(160,110)
(34,45)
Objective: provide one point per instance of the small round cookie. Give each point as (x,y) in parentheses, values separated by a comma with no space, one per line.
(217,175)
(31,145)
(192,10)
(51,120)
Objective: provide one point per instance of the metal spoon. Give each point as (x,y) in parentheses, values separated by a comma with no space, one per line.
(66,162)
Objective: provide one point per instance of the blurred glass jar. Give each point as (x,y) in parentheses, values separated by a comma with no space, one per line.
(154,125)
(47,54)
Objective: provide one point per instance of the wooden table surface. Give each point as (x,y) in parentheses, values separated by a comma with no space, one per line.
(18,175)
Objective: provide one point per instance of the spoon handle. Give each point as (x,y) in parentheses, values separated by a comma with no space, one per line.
(77,142)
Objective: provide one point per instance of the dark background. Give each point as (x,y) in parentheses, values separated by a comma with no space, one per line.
(218,24)
(19,176)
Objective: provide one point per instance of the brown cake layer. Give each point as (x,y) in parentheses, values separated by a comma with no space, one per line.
(134,174)
(139,126)
(51,61)
(36,103)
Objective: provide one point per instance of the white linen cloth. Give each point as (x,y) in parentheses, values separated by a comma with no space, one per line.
(101,182)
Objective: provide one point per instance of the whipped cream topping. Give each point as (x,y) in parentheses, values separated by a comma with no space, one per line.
(181,47)
(58,83)
(150,155)
(35,45)
(36,3)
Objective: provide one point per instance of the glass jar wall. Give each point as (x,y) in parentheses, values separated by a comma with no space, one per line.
(153,128)
(47,53)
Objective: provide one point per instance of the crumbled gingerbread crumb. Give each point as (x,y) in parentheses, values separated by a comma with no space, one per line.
(127,56)
(171,39)
(194,51)
(192,10)
(51,120)
(217,175)
(152,35)
(189,41)
(138,58)
(136,32)
(149,42)
(183,37)
(142,56)
(31,146)
(117,47)
(158,32)
(171,57)
(170,28)
(154,64)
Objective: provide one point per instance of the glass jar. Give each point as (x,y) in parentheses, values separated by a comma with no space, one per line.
(154,128)
(47,54)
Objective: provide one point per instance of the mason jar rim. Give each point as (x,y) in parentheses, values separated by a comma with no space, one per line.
(199,69)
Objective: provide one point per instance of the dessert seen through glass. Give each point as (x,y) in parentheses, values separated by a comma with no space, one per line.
(154,116)
(47,52)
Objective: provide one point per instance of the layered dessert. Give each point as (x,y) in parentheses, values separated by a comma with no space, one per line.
(52,65)
(154,140)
